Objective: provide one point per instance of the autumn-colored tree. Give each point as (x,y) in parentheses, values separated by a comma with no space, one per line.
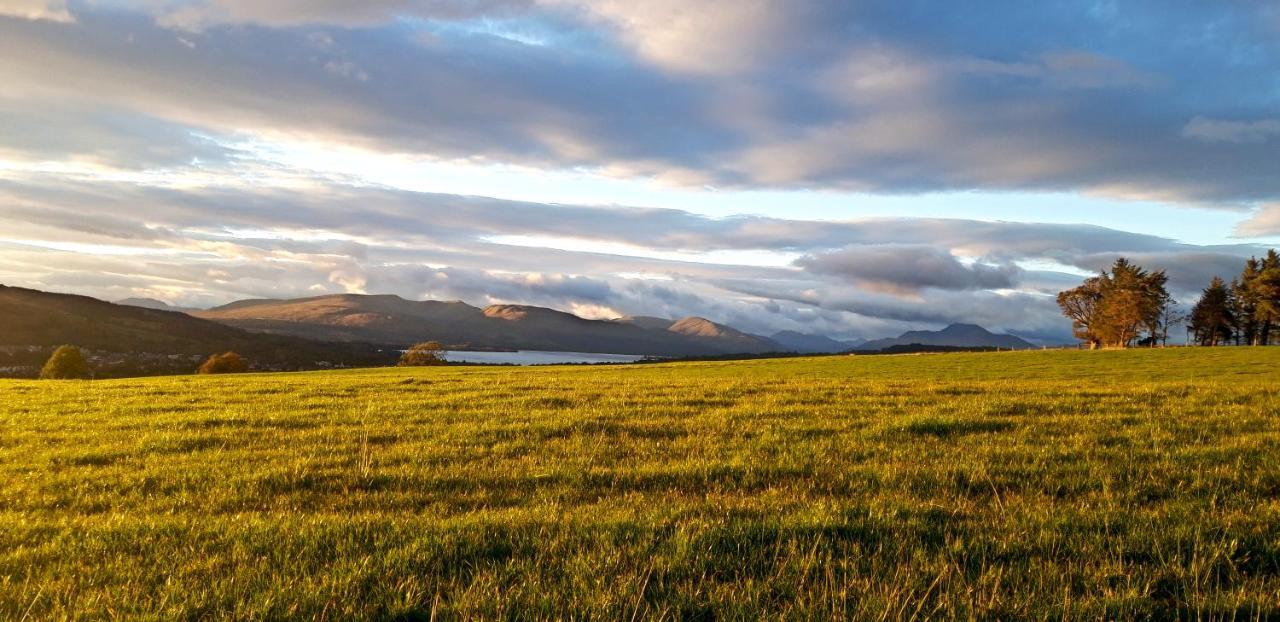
(1213,317)
(1080,305)
(66,363)
(225,363)
(423,354)
(1113,308)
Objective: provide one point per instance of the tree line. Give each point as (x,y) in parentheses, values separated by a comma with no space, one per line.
(1129,305)
(1244,311)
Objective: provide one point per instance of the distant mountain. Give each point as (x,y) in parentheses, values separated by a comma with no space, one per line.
(708,336)
(953,336)
(793,341)
(34,318)
(149,303)
(394,320)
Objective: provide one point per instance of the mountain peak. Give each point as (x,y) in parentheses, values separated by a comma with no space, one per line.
(960,327)
(959,335)
(699,327)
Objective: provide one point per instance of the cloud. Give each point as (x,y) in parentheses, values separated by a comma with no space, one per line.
(740,94)
(213,243)
(1263,222)
(908,269)
(200,14)
(141,148)
(1217,130)
(52,10)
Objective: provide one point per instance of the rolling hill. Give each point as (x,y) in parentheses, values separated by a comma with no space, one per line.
(35,318)
(394,320)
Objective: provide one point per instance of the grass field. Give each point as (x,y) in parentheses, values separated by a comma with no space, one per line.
(1065,485)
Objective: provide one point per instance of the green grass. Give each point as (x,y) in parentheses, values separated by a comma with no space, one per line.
(1064,485)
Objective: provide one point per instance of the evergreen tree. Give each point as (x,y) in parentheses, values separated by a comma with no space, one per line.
(1242,325)
(1266,292)
(1213,317)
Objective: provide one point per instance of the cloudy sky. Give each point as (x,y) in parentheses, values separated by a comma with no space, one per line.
(846,168)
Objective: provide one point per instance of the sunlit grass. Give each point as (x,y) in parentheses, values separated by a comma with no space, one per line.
(1043,484)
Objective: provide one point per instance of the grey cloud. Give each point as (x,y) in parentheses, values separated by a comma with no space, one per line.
(1026,314)
(1189,271)
(1015,96)
(908,268)
(1218,130)
(198,14)
(116,138)
(487,98)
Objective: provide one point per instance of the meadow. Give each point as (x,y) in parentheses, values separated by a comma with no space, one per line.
(1063,485)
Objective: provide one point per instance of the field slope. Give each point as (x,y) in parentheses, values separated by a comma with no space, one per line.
(1066,485)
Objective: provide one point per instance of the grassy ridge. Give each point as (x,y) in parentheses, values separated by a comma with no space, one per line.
(1041,484)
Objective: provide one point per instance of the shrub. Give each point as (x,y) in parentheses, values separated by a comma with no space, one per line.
(423,354)
(66,363)
(225,363)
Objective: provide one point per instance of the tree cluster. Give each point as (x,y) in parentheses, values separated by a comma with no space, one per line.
(1245,311)
(1117,307)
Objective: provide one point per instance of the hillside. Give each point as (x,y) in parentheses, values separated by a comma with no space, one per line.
(953,336)
(150,303)
(1133,485)
(394,320)
(35,318)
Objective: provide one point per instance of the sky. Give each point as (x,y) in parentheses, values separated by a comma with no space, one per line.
(852,169)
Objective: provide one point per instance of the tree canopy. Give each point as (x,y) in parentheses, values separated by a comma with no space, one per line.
(423,354)
(1246,311)
(1114,308)
(225,363)
(66,363)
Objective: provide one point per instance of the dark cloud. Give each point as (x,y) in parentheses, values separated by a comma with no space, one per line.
(908,268)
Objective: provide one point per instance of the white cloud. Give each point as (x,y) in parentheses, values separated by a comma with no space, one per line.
(52,10)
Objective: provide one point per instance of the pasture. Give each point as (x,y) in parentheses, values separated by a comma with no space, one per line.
(1065,485)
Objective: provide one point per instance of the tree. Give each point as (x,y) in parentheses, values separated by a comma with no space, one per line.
(423,354)
(225,363)
(66,363)
(1266,296)
(1243,325)
(1113,308)
(1080,305)
(1213,316)
(1171,316)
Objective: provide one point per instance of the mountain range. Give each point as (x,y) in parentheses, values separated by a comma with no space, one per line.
(953,336)
(354,329)
(388,319)
(31,317)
